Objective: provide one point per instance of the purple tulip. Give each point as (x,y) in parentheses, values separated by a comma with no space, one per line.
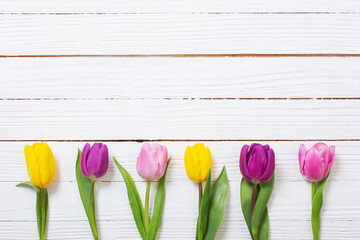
(94,160)
(152,161)
(257,165)
(315,163)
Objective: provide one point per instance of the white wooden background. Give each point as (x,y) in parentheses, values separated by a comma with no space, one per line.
(226,73)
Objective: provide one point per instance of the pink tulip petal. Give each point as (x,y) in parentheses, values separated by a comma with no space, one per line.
(314,167)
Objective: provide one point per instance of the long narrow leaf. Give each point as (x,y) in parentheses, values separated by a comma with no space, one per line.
(246,201)
(38,202)
(204,209)
(134,200)
(84,185)
(260,206)
(218,200)
(264,226)
(159,202)
(316,207)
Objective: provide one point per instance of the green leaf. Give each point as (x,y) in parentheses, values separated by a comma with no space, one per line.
(316,207)
(264,226)
(42,206)
(159,202)
(246,190)
(218,199)
(204,209)
(134,200)
(85,190)
(260,206)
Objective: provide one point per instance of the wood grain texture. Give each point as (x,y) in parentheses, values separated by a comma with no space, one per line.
(104,78)
(179,119)
(180,34)
(292,193)
(176,6)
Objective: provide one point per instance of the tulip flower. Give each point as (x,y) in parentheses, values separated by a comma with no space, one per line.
(152,161)
(315,164)
(41,169)
(197,162)
(92,163)
(212,201)
(257,165)
(94,160)
(152,164)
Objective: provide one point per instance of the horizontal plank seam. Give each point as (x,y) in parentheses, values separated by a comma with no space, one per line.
(180,140)
(245,55)
(171,13)
(184,98)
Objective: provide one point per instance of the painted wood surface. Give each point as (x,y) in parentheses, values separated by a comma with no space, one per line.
(177,78)
(77,71)
(177,6)
(123,34)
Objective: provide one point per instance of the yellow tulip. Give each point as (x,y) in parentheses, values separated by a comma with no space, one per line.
(197,162)
(40,164)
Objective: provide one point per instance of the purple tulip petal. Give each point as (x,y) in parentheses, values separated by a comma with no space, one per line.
(103,162)
(257,161)
(83,161)
(93,158)
(269,170)
(243,163)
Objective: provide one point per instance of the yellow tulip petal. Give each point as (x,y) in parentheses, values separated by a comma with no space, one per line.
(197,162)
(189,163)
(47,164)
(32,164)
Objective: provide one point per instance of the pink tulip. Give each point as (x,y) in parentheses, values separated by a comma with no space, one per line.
(152,161)
(315,163)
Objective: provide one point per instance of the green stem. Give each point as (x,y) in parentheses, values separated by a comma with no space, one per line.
(43,216)
(314,226)
(92,211)
(200,195)
(313,185)
(147,205)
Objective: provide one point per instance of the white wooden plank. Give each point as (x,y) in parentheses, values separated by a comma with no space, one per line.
(179,119)
(179,34)
(175,6)
(346,166)
(179,78)
(289,207)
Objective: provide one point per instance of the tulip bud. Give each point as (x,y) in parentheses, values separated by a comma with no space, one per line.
(197,162)
(152,161)
(257,165)
(40,164)
(95,160)
(315,163)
